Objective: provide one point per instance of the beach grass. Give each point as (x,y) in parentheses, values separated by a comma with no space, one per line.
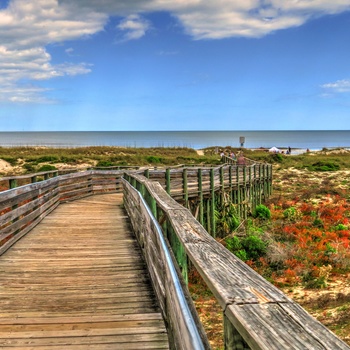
(317,180)
(31,159)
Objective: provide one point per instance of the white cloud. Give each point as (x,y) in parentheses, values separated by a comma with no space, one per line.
(338,86)
(215,19)
(24,94)
(134,27)
(28,26)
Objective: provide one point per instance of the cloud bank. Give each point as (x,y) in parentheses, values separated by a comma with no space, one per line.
(339,86)
(28,26)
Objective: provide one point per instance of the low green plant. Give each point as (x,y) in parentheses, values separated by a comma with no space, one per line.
(324,166)
(254,246)
(262,212)
(47,167)
(276,158)
(153,159)
(10,160)
(233,243)
(340,227)
(317,222)
(292,214)
(104,163)
(48,158)
(248,247)
(29,168)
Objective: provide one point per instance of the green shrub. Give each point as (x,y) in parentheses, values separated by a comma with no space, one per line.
(242,254)
(262,212)
(324,166)
(104,163)
(317,222)
(12,161)
(153,159)
(250,247)
(276,157)
(316,283)
(226,219)
(47,167)
(45,159)
(340,227)
(69,159)
(254,246)
(233,244)
(29,168)
(292,214)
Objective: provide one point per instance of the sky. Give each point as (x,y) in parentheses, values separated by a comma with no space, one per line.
(87,65)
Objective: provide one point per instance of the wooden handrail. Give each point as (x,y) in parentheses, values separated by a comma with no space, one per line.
(257,315)
(185,331)
(23,207)
(253,309)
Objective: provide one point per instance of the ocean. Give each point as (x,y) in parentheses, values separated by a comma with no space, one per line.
(313,140)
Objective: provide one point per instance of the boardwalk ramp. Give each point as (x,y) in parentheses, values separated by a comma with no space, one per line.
(78,281)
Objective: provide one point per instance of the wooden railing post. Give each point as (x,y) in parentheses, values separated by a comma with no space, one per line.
(232,339)
(245,191)
(250,188)
(167,181)
(185,186)
(238,192)
(200,190)
(12,183)
(260,184)
(179,253)
(153,206)
(222,184)
(212,207)
(270,179)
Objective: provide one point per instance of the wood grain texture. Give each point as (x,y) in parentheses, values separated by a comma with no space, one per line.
(78,281)
(264,317)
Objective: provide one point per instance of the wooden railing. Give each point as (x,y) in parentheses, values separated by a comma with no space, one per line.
(257,315)
(184,327)
(14,181)
(24,207)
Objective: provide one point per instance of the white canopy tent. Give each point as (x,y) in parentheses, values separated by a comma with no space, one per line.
(274,150)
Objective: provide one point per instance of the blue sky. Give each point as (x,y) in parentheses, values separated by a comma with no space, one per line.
(174,65)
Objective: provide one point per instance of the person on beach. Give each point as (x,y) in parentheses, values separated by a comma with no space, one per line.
(241,159)
(289,150)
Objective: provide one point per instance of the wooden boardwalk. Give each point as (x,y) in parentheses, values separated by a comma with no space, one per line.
(77,281)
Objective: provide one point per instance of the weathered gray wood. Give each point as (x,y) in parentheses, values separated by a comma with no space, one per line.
(24,220)
(261,313)
(161,272)
(16,213)
(18,195)
(77,281)
(5,246)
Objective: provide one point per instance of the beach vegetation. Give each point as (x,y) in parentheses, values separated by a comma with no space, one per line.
(299,239)
(102,156)
(262,212)
(46,167)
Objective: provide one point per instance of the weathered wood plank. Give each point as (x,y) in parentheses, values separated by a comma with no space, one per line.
(72,284)
(261,313)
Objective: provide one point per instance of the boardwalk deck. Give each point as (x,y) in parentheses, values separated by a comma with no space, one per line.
(77,281)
